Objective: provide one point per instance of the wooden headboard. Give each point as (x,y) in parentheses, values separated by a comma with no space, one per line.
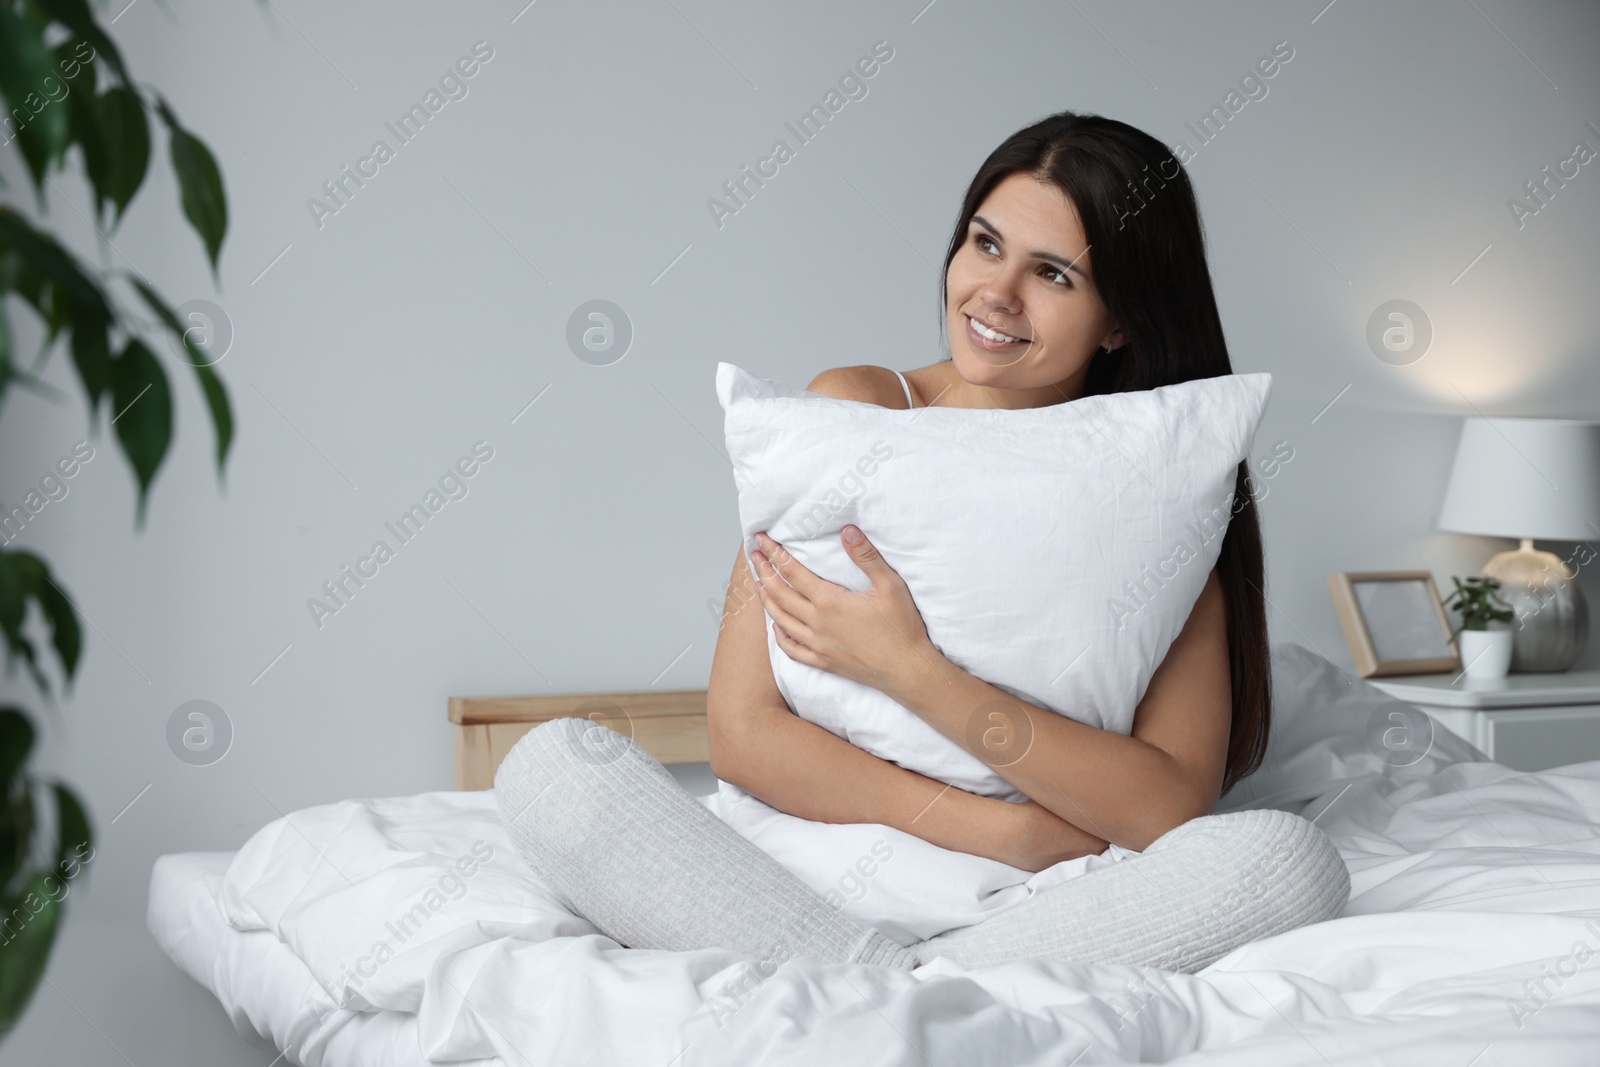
(670,724)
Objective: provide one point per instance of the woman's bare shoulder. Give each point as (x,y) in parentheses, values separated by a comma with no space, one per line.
(864,383)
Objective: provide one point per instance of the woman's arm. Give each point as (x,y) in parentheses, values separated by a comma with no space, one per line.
(760,745)
(1126,789)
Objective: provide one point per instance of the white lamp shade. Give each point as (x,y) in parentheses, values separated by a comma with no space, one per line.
(1536,478)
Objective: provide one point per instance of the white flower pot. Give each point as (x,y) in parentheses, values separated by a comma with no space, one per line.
(1486,653)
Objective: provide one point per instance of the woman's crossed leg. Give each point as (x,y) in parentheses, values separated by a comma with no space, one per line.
(604,824)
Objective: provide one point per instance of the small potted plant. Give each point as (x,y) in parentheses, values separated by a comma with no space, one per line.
(1485,648)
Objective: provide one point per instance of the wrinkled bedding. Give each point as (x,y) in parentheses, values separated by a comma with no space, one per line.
(406,930)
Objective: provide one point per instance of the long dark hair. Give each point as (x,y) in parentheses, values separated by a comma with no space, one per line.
(1139,216)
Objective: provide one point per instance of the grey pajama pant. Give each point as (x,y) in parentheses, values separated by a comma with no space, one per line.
(606,826)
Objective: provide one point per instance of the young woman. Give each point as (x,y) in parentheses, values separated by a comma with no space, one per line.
(1077,267)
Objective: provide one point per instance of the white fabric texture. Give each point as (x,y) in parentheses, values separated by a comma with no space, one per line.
(1474,921)
(1054,552)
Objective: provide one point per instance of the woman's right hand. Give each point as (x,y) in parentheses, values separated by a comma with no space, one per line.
(797,767)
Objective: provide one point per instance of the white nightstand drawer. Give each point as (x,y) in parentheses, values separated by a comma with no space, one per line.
(1529,739)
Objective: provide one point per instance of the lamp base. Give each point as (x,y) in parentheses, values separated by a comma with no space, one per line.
(1552,615)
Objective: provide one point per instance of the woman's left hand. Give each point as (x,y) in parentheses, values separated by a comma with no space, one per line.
(874,637)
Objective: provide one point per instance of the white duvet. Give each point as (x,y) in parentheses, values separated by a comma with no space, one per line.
(406,930)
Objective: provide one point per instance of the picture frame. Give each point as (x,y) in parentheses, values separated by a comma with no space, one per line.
(1394,623)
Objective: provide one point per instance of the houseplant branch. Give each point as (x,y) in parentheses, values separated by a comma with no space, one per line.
(78,92)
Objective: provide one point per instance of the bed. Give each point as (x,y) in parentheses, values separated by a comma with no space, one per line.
(1471,938)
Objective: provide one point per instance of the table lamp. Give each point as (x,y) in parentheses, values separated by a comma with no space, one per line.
(1531,478)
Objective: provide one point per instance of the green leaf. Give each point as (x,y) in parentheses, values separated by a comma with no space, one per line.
(57,312)
(65,634)
(83,124)
(13,598)
(10,268)
(22,649)
(18,576)
(58,612)
(16,831)
(221,410)
(76,16)
(24,280)
(127,144)
(5,352)
(48,262)
(143,419)
(200,183)
(72,828)
(25,67)
(91,355)
(23,957)
(28,576)
(211,385)
(14,843)
(16,741)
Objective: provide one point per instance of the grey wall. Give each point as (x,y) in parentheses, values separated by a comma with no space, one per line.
(372,350)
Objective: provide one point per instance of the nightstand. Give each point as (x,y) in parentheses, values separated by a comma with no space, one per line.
(1531,722)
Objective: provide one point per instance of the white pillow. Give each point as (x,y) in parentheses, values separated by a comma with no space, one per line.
(1024,536)
(1330,727)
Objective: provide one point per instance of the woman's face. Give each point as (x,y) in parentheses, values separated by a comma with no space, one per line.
(1024,271)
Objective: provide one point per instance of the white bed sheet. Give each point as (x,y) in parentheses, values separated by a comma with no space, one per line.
(1472,937)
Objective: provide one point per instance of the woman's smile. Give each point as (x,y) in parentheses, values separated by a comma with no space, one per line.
(993,340)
